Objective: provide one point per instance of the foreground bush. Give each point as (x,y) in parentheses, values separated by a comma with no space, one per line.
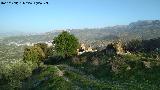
(12,75)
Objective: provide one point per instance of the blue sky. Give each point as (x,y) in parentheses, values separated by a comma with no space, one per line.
(62,14)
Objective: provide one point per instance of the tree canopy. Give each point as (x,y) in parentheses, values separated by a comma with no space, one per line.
(48,51)
(34,54)
(66,44)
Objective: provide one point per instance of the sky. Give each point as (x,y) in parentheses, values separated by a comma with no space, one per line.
(74,14)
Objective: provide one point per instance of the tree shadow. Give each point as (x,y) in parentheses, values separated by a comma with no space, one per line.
(54,60)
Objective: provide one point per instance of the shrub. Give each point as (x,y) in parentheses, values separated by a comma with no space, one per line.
(134,45)
(12,75)
(34,54)
(95,61)
(76,60)
(48,51)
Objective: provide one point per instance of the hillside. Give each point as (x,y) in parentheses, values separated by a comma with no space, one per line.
(119,65)
(97,70)
(146,29)
(100,70)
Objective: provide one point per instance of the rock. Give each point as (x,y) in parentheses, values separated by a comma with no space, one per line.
(59,73)
(128,68)
(119,48)
(147,64)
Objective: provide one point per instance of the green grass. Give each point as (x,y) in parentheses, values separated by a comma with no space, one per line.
(86,76)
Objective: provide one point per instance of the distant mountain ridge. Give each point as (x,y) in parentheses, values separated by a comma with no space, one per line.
(5,33)
(144,29)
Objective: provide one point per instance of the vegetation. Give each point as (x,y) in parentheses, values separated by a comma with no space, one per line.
(66,44)
(151,45)
(12,75)
(48,51)
(39,67)
(34,54)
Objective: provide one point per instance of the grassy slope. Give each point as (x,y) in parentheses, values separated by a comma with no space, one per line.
(90,77)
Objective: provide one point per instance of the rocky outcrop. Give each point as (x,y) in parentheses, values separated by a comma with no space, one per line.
(83,49)
(116,48)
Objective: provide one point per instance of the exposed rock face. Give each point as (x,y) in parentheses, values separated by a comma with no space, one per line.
(83,49)
(116,48)
(89,49)
(147,64)
(119,48)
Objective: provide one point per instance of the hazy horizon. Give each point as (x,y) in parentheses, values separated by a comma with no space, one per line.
(79,14)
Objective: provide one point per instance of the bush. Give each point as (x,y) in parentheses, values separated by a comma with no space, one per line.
(134,46)
(12,75)
(34,54)
(75,60)
(48,51)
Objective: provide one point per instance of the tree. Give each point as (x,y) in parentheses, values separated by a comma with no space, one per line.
(34,54)
(43,46)
(66,44)
(48,51)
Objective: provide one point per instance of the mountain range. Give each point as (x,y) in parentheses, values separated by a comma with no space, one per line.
(143,29)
